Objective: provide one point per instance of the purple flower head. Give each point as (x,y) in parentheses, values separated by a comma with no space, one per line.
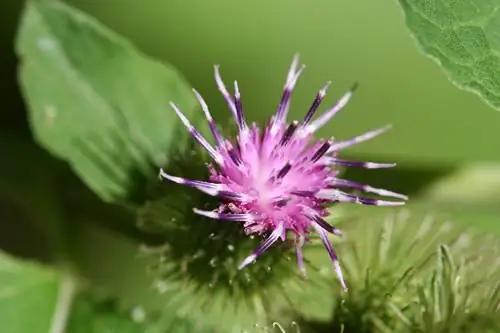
(278,181)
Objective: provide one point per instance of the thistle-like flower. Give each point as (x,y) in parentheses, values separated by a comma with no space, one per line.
(277,181)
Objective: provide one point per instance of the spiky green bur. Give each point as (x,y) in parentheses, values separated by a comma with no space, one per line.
(403,278)
(381,256)
(461,295)
(197,270)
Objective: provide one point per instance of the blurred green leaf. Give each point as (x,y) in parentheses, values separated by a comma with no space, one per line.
(462,36)
(476,217)
(415,95)
(475,184)
(94,100)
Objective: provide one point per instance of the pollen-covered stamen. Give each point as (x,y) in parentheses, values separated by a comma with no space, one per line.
(240,117)
(284,170)
(222,88)
(321,150)
(275,235)
(289,132)
(292,78)
(367,188)
(358,139)
(325,117)
(206,187)
(213,128)
(315,105)
(245,217)
(356,164)
(198,137)
(331,252)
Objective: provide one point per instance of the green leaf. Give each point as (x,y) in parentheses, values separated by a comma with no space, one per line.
(462,36)
(95,101)
(472,184)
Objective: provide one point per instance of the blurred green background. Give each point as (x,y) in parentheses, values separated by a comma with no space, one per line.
(343,41)
(444,140)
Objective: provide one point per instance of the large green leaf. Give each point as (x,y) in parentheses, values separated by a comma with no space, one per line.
(94,100)
(462,36)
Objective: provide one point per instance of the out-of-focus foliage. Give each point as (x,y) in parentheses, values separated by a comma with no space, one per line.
(94,100)
(434,123)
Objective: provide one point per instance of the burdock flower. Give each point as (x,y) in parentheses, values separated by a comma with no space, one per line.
(278,181)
